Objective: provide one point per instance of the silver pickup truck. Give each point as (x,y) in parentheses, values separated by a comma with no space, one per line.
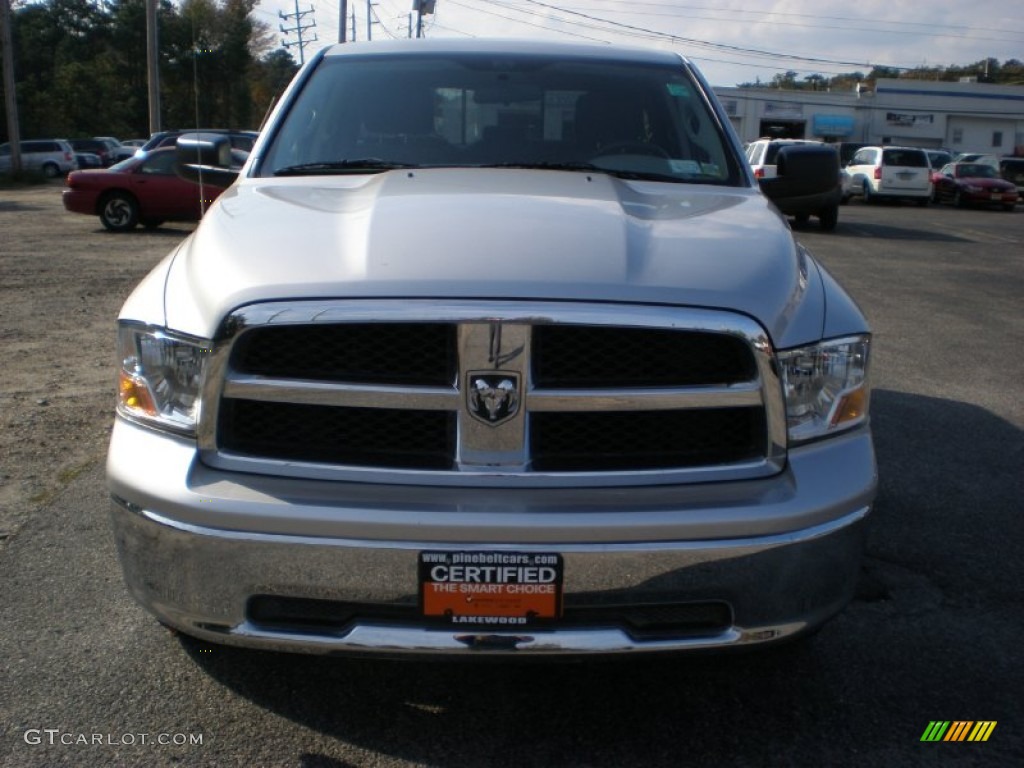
(494,348)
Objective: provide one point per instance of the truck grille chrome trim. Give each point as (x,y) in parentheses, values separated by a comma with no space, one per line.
(539,394)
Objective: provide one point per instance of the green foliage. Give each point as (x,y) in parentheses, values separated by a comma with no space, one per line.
(1010,72)
(81,67)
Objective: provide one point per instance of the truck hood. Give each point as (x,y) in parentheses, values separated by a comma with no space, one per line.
(495,233)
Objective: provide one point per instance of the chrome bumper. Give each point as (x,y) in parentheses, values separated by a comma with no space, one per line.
(197,545)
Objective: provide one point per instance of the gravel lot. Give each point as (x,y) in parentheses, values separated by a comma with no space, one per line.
(64,280)
(934,633)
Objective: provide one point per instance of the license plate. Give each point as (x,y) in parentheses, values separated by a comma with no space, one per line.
(997,196)
(511,589)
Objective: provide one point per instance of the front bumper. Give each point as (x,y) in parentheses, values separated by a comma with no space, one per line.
(206,551)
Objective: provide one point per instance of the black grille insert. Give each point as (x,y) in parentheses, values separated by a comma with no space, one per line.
(379,437)
(374,353)
(642,621)
(645,440)
(567,356)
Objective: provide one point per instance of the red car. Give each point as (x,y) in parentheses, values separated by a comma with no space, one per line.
(140,190)
(973,184)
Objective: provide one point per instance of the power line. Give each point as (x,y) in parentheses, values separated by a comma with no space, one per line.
(684,11)
(644,31)
(556,18)
(871,30)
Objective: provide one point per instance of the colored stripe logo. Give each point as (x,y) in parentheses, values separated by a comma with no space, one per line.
(958,730)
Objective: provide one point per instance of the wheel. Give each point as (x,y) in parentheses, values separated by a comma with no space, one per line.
(1008,207)
(828,218)
(958,201)
(119,212)
(844,199)
(868,197)
(802,218)
(922,202)
(632,148)
(51,170)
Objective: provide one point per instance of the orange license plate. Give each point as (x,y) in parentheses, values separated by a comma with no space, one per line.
(495,589)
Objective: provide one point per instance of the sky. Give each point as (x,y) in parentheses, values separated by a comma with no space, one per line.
(731,41)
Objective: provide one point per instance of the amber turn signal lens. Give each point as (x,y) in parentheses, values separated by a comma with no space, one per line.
(852,406)
(135,395)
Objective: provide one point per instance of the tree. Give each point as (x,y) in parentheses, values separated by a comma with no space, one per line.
(80,66)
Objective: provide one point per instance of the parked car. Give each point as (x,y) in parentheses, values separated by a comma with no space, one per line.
(240,139)
(976,157)
(88,160)
(99,147)
(974,184)
(496,348)
(764,158)
(846,150)
(891,173)
(118,150)
(140,190)
(51,156)
(937,158)
(1012,169)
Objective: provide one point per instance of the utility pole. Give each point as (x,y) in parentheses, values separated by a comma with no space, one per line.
(342,20)
(153,65)
(422,8)
(369,19)
(298,29)
(10,102)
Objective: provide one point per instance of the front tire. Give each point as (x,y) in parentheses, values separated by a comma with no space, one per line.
(51,171)
(119,212)
(958,200)
(869,198)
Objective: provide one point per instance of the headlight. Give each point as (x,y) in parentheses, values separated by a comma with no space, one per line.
(826,387)
(160,376)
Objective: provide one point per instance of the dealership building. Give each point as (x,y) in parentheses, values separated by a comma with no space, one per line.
(962,116)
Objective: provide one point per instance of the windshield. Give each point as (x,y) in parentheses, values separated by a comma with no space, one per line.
(369,114)
(905,158)
(976,171)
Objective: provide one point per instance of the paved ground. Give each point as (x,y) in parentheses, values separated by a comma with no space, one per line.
(934,634)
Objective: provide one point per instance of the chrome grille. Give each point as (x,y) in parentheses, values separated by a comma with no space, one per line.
(380,391)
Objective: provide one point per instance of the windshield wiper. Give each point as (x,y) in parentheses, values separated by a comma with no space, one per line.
(362,165)
(547,166)
(591,167)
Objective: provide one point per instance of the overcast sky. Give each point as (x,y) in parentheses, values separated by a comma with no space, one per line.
(732,41)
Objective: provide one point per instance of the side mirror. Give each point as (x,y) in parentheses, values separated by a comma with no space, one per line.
(803,170)
(205,158)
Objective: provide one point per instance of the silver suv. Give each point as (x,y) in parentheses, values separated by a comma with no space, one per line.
(53,157)
(493,347)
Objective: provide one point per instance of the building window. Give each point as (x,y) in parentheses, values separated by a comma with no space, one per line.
(997,138)
(958,135)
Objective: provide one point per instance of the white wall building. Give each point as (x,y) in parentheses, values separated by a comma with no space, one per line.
(962,117)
